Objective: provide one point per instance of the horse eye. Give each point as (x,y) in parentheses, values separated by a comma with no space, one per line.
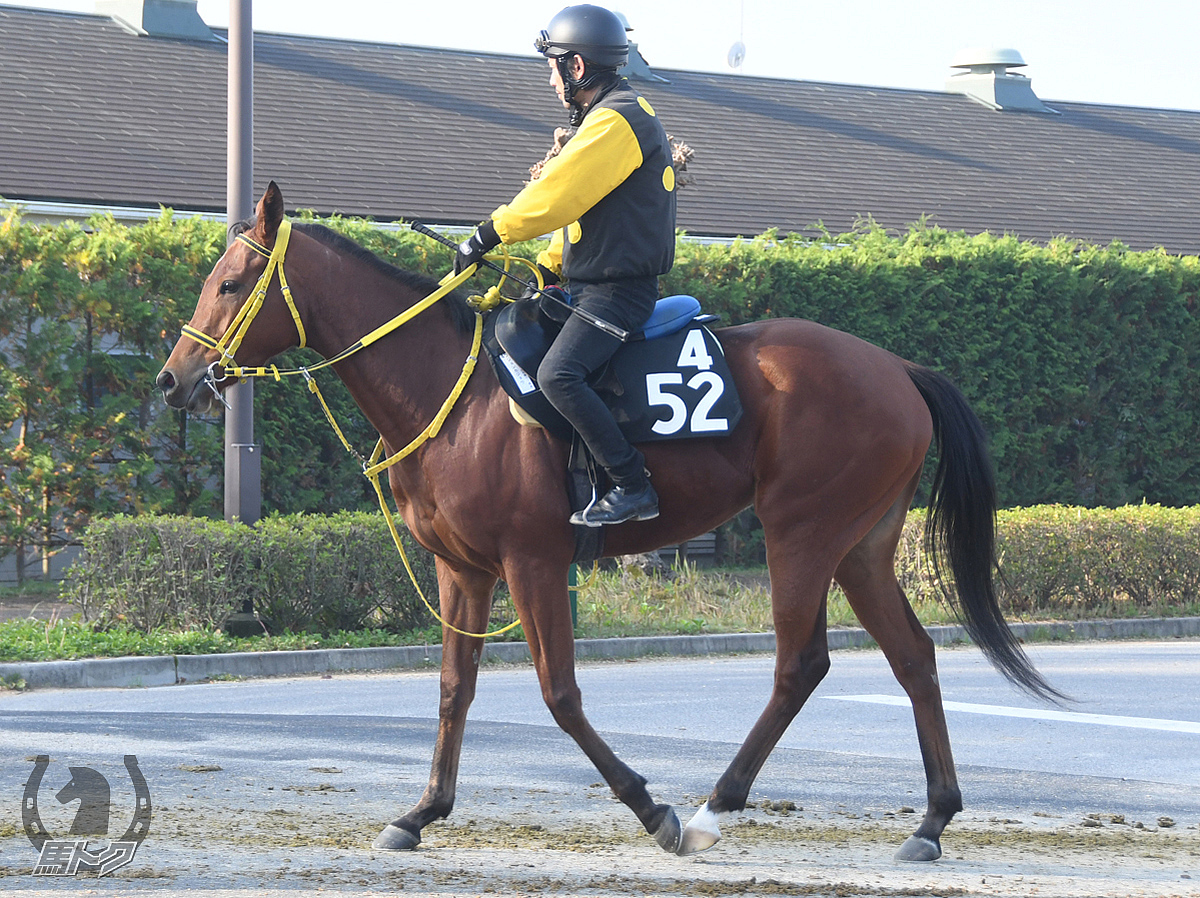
(230,287)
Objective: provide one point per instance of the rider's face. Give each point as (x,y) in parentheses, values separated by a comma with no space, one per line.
(556,81)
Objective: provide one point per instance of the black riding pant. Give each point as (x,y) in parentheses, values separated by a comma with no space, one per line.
(582,349)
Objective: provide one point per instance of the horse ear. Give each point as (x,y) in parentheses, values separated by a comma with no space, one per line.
(269,213)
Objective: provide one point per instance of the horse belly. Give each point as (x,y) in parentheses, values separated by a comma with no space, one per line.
(700,485)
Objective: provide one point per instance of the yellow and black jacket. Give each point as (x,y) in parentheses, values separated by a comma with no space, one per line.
(608,197)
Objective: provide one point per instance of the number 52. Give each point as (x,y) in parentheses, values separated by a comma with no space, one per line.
(707,381)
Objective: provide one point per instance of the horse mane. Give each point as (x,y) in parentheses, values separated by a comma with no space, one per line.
(454,304)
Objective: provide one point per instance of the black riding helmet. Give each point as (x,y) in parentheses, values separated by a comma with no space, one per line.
(594,34)
(591,31)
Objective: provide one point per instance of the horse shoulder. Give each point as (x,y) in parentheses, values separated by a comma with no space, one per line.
(485,464)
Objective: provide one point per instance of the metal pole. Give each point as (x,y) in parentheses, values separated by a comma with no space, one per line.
(573,594)
(243,466)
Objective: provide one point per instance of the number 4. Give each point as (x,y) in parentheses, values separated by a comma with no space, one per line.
(694,353)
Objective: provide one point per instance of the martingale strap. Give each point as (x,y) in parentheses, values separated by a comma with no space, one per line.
(374,466)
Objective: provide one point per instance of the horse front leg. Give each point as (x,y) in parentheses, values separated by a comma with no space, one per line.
(540,594)
(466,598)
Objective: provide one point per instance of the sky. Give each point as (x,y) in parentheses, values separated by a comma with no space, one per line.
(1094,51)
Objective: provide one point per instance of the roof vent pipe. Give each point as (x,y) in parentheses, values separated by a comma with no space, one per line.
(987,80)
(158,18)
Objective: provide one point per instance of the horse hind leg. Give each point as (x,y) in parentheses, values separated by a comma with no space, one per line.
(867,575)
(798,594)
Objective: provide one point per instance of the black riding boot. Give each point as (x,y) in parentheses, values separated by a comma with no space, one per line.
(629,500)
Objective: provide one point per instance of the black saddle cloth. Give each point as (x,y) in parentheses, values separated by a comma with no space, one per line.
(675,386)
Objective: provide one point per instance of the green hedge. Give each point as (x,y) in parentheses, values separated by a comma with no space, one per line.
(1083,362)
(1137,560)
(304,572)
(1118,563)
(85,316)
(343,572)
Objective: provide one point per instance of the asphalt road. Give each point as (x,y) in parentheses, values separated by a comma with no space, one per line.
(355,748)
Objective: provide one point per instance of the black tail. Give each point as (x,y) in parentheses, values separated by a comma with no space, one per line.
(961,529)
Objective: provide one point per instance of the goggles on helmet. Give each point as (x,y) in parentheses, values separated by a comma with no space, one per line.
(543,45)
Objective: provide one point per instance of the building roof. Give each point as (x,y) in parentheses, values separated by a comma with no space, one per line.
(92,113)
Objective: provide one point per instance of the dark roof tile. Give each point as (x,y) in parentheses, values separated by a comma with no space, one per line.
(92,114)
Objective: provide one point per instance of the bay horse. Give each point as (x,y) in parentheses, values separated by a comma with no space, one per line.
(829,451)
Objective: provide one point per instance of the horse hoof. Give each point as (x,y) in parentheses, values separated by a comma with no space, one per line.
(667,834)
(395,838)
(918,848)
(701,833)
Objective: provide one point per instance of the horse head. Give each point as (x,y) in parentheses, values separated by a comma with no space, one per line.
(194,375)
(91,790)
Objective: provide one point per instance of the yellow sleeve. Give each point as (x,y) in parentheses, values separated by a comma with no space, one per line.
(551,256)
(600,156)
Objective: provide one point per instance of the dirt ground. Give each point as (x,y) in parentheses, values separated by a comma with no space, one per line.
(287,827)
(314,838)
(46,608)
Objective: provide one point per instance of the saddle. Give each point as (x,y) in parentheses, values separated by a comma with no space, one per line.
(668,382)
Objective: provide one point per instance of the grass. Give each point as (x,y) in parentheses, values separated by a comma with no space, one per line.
(31,591)
(630,603)
(623,603)
(68,638)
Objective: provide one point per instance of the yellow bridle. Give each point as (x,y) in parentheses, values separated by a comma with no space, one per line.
(232,339)
(373,466)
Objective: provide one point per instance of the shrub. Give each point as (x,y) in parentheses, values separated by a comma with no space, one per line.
(1110,562)
(1083,362)
(1081,562)
(304,572)
(321,574)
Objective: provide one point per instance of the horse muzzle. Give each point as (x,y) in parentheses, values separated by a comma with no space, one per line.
(195,393)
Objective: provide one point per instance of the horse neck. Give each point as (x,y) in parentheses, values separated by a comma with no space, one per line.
(400,381)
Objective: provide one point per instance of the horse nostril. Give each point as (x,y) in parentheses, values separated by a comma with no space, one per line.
(165,380)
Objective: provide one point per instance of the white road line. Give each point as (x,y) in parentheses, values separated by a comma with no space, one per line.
(1109,720)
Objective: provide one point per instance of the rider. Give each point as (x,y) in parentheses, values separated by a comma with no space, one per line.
(609,199)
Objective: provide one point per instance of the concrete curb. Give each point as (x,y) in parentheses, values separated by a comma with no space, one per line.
(169,670)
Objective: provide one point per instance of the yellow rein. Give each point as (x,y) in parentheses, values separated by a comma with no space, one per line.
(229,343)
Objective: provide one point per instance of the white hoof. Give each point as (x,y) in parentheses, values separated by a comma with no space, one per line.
(702,832)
